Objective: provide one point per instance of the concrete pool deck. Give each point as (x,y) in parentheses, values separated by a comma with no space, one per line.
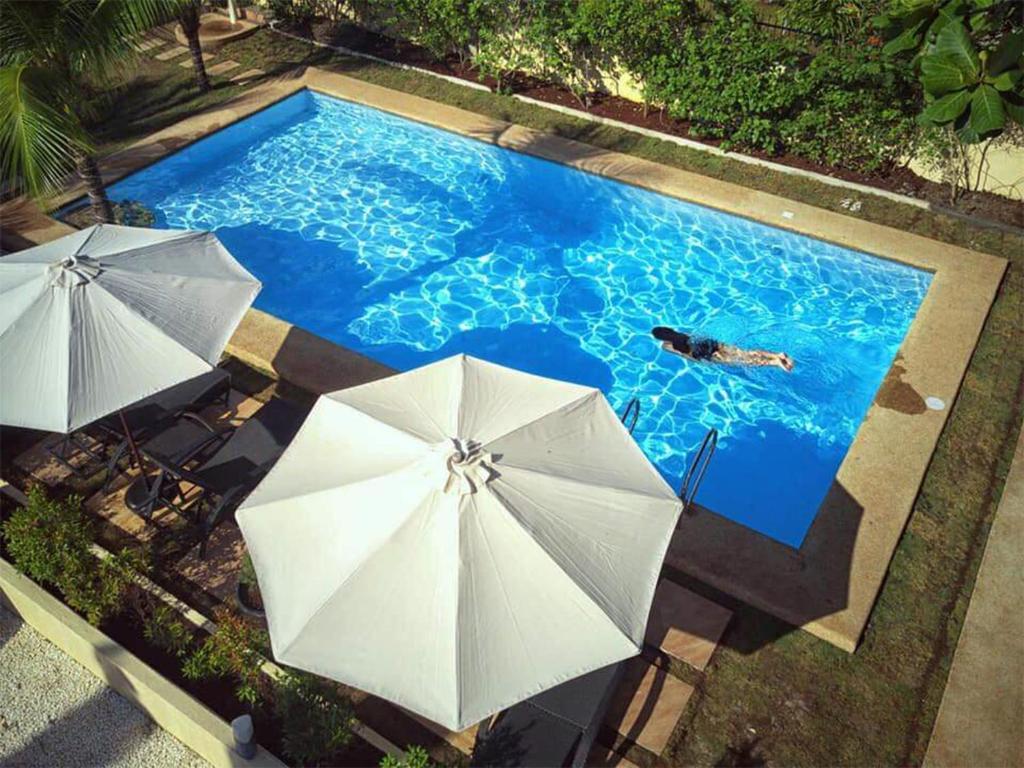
(830,584)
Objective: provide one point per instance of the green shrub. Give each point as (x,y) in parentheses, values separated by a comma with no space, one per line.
(50,541)
(848,20)
(235,649)
(163,627)
(415,757)
(444,27)
(845,105)
(316,720)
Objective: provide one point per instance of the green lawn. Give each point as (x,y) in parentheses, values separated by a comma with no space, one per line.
(795,700)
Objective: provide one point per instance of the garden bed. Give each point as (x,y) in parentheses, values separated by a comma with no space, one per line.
(157,635)
(900,180)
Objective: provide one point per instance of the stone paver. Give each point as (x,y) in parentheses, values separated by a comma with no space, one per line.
(982,711)
(685,625)
(149,44)
(217,573)
(186,63)
(249,74)
(172,53)
(647,705)
(219,69)
(602,757)
(54,713)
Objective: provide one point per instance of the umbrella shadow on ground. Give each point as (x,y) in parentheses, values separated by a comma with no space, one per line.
(772,588)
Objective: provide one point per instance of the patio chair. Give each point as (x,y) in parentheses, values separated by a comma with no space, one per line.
(151,416)
(185,439)
(227,473)
(553,728)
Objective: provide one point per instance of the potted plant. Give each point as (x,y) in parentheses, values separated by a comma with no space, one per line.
(247,592)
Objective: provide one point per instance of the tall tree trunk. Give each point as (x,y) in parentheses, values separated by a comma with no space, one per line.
(98,200)
(189,19)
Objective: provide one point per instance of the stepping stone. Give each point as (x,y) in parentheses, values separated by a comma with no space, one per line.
(217,574)
(461,740)
(172,53)
(647,705)
(185,63)
(685,625)
(245,77)
(602,757)
(149,44)
(219,69)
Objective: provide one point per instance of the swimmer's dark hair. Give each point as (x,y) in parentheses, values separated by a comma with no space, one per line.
(679,341)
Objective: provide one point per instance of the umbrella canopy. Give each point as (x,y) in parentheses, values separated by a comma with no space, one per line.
(459,538)
(109,315)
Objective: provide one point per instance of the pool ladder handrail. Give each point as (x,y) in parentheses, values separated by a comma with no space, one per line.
(694,476)
(633,406)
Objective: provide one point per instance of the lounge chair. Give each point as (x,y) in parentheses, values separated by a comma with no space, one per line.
(147,418)
(229,469)
(553,728)
(104,441)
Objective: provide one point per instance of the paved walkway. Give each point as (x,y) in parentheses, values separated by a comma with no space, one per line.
(981,718)
(54,713)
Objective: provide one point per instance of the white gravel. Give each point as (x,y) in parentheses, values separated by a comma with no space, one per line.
(55,713)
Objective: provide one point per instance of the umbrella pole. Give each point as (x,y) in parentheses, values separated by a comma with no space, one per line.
(134,449)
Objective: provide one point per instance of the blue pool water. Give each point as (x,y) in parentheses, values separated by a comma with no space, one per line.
(409,244)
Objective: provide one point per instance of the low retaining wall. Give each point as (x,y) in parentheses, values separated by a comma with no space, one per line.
(174,710)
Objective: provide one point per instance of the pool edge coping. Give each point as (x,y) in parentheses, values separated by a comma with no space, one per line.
(889,456)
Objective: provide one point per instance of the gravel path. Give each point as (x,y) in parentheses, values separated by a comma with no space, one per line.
(55,713)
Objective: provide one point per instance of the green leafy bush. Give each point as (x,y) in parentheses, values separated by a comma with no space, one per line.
(163,627)
(444,27)
(235,649)
(415,757)
(969,57)
(834,20)
(50,541)
(316,720)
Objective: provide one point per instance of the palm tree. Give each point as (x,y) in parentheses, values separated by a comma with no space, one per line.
(188,17)
(48,50)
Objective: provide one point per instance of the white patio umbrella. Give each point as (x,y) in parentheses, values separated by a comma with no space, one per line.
(459,538)
(104,317)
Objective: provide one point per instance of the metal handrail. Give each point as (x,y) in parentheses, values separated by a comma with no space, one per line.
(632,407)
(693,477)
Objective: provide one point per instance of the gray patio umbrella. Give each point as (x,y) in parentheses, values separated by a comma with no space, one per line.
(107,316)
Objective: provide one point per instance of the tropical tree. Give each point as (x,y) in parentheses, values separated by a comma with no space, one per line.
(969,56)
(188,17)
(49,51)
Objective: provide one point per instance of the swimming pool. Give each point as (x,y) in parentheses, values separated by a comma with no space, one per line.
(409,244)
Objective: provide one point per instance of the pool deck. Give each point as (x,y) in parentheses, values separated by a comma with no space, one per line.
(830,584)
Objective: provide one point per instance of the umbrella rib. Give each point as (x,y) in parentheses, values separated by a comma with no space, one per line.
(359,567)
(151,324)
(588,394)
(588,484)
(530,537)
(80,248)
(419,438)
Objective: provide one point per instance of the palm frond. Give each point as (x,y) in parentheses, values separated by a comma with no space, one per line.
(29,31)
(40,136)
(105,30)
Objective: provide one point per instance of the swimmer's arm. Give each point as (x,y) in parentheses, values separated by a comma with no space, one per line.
(667,346)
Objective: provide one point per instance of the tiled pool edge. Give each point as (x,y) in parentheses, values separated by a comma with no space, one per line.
(860,523)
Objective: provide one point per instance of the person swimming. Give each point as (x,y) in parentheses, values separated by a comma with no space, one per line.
(711,351)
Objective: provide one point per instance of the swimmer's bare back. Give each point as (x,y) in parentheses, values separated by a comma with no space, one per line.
(727,354)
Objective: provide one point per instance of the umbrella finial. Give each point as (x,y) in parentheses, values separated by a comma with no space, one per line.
(469,467)
(72,271)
